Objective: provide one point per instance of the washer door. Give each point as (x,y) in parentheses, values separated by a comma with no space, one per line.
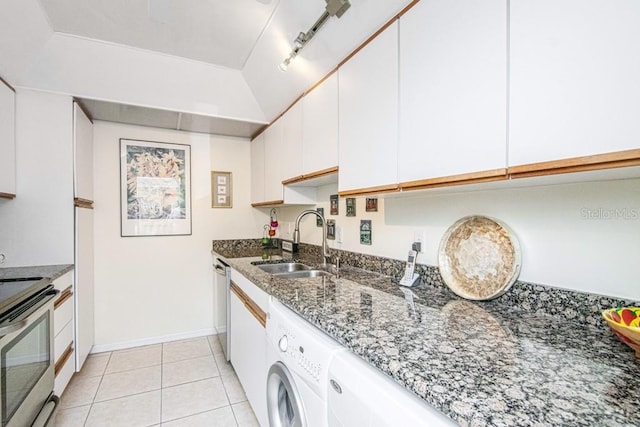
(283,400)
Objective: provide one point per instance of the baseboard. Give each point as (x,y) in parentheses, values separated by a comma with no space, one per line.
(101,348)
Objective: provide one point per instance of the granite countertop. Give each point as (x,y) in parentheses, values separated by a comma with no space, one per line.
(51,272)
(480,363)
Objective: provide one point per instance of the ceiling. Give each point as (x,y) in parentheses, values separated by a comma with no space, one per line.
(221,32)
(201,65)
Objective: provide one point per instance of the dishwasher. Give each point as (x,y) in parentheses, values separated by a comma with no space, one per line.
(222,293)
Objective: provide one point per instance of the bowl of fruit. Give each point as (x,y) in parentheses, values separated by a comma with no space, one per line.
(625,323)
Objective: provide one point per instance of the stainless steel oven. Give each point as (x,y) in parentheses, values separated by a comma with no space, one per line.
(26,354)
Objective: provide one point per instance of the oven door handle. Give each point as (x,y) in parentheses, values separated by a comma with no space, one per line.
(13,327)
(21,323)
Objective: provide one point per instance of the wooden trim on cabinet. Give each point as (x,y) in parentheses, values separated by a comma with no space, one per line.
(64,296)
(63,359)
(251,306)
(82,203)
(465,178)
(7,196)
(341,63)
(617,159)
(7,84)
(377,33)
(312,175)
(370,190)
(269,203)
(293,180)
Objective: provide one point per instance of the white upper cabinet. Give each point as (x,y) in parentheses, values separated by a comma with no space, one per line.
(290,152)
(257,169)
(273,167)
(368,112)
(7,141)
(574,78)
(83,151)
(453,88)
(320,127)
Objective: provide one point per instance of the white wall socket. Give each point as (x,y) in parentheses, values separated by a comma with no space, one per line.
(3,257)
(419,236)
(338,234)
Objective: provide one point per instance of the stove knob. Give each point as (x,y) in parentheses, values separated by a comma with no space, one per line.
(283,343)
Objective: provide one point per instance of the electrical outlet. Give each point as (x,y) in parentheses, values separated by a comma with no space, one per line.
(418,237)
(338,234)
(3,257)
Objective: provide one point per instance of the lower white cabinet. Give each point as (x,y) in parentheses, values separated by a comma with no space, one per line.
(249,341)
(63,326)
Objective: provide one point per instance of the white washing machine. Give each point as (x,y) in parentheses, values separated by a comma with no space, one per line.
(298,357)
(360,395)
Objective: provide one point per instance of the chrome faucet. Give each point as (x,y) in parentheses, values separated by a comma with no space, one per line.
(296,232)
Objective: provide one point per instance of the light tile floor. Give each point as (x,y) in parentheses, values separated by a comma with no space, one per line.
(177,384)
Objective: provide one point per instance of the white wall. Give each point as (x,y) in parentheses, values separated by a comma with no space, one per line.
(561,245)
(150,289)
(36,228)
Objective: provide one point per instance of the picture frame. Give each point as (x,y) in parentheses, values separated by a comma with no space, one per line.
(331,229)
(333,204)
(351,206)
(318,220)
(365,232)
(371,204)
(221,189)
(155,188)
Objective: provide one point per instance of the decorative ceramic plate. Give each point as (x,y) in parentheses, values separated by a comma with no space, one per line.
(479,258)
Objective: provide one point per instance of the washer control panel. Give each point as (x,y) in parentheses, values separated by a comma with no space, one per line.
(305,349)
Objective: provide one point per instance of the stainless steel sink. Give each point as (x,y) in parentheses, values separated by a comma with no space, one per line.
(302,274)
(285,267)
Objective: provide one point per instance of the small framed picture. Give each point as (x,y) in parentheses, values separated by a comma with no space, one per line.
(318,220)
(221,190)
(365,232)
(351,206)
(333,204)
(331,229)
(371,204)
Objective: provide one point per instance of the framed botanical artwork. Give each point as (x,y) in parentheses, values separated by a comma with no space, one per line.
(221,190)
(155,188)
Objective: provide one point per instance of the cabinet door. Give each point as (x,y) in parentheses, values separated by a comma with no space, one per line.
(290,152)
(85,288)
(574,67)
(248,348)
(368,112)
(272,166)
(453,88)
(257,169)
(83,152)
(7,141)
(320,127)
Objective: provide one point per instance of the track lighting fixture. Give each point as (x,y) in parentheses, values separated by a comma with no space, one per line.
(334,8)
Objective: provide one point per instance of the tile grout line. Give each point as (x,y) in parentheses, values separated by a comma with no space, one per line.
(98,388)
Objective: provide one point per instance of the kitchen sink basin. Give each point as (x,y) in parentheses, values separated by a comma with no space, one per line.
(285,267)
(302,274)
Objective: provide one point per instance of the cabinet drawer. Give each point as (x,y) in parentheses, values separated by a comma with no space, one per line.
(63,313)
(64,370)
(62,341)
(64,281)
(260,297)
